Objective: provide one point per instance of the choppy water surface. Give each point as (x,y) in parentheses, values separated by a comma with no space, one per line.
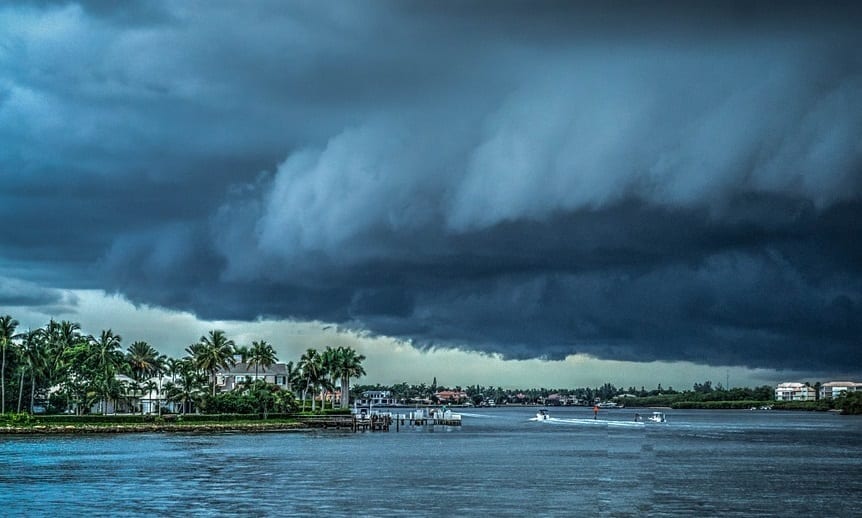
(700,463)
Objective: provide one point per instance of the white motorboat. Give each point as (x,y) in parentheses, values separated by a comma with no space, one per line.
(542,415)
(657,417)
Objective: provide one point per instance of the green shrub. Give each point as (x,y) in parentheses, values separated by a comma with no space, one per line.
(850,403)
(94,419)
(721,405)
(821,406)
(17,419)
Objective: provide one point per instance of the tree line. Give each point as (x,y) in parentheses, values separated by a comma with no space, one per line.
(701,395)
(57,368)
(478,394)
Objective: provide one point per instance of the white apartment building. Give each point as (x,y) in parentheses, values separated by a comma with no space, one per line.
(793,391)
(834,389)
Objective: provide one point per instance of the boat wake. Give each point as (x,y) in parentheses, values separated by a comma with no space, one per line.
(589,422)
(466,414)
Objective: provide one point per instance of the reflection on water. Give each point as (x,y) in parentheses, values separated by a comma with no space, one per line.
(500,463)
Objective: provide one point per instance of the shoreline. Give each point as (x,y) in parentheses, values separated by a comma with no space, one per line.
(298,424)
(153,428)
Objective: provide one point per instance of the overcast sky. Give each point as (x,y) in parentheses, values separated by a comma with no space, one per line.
(517,187)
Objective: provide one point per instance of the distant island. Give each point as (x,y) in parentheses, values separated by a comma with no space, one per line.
(702,395)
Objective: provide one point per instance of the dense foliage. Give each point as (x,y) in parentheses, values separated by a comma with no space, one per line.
(58,369)
(258,397)
(702,395)
(850,403)
(631,396)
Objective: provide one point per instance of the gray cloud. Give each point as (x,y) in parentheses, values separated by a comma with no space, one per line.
(678,182)
(14,292)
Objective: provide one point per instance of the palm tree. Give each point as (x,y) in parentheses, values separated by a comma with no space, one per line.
(347,364)
(7,333)
(161,366)
(21,371)
(244,353)
(292,375)
(327,360)
(79,375)
(60,338)
(147,388)
(311,366)
(261,355)
(33,356)
(325,384)
(143,360)
(172,367)
(186,385)
(105,359)
(212,353)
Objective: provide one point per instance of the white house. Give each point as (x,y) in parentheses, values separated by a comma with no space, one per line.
(377,398)
(793,391)
(153,398)
(228,379)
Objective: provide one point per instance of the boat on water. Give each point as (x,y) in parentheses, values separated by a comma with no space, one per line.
(657,417)
(542,415)
(608,404)
(764,407)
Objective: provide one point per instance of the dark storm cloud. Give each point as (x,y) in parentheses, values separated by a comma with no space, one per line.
(670,181)
(14,292)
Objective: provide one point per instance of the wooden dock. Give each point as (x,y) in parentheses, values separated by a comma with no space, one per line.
(382,422)
(372,423)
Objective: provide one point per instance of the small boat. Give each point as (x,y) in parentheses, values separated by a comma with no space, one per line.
(608,404)
(657,417)
(542,415)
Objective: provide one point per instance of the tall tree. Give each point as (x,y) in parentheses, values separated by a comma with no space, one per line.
(292,375)
(261,355)
(329,361)
(212,353)
(347,364)
(143,360)
(105,361)
(244,353)
(147,388)
(33,354)
(187,384)
(7,333)
(172,367)
(60,338)
(311,366)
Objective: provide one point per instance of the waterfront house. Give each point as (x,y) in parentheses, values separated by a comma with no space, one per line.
(230,378)
(553,400)
(794,391)
(153,397)
(834,389)
(331,398)
(128,401)
(377,398)
(451,396)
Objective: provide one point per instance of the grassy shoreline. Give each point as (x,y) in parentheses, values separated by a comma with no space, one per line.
(145,428)
(23,424)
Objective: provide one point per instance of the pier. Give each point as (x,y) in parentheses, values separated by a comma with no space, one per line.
(419,418)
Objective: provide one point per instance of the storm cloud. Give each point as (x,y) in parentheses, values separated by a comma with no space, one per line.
(668,182)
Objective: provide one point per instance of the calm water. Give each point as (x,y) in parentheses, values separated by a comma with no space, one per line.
(701,463)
